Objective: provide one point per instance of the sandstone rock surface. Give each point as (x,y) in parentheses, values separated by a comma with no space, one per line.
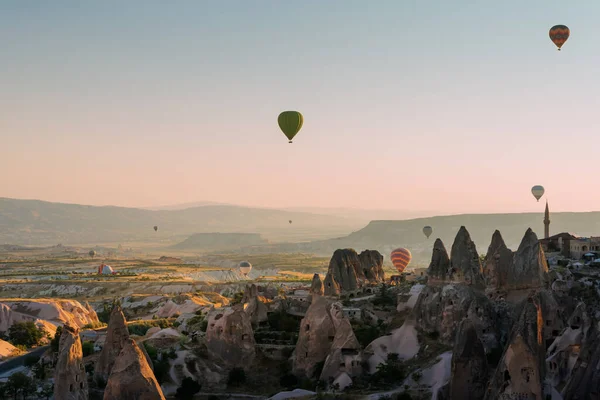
(439,267)
(371,263)
(230,338)
(70,380)
(131,377)
(117,335)
(465,266)
(469,365)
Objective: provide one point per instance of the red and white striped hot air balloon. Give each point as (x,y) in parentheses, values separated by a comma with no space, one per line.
(401,258)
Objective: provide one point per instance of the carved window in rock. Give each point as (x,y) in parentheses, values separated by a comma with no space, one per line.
(81,385)
(71,387)
(76,377)
(331,338)
(527,373)
(245,336)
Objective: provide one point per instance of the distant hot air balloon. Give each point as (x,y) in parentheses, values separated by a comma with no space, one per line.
(401,258)
(155,228)
(427,230)
(92,253)
(537,191)
(559,35)
(245,267)
(290,123)
(290,221)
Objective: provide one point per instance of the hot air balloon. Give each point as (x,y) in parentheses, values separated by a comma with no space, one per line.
(290,123)
(401,258)
(245,267)
(537,191)
(290,221)
(427,230)
(155,228)
(559,35)
(92,253)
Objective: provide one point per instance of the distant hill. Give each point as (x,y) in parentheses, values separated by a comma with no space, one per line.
(220,241)
(387,235)
(34,222)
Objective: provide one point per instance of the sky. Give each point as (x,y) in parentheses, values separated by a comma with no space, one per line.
(454,106)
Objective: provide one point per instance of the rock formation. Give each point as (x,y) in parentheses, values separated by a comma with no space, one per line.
(117,335)
(442,309)
(371,263)
(520,373)
(562,355)
(584,382)
(331,287)
(230,338)
(131,377)
(498,264)
(465,266)
(254,307)
(46,313)
(316,287)
(469,375)
(344,359)
(344,268)
(317,333)
(440,262)
(529,269)
(70,380)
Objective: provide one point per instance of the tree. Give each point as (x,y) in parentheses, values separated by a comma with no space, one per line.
(47,391)
(87,348)
(26,334)
(237,377)
(54,342)
(188,389)
(19,383)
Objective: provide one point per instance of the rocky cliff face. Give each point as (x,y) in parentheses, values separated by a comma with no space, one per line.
(117,335)
(254,307)
(131,377)
(343,269)
(316,286)
(563,354)
(521,369)
(230,338)
(465,266)
(442,309)
(48,313)
(469,374)
(439,267)
(371,263)
(498,263)
(529,268)
(70,380)
(316,336)
(344,358)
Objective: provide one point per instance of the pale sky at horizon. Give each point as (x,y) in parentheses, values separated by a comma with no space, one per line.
(454,106)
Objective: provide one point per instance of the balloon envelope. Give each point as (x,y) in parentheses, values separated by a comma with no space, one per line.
(401,258)
(245,267)
(155,228)
(290,221)
(92,253)
(559,35)
(427,230)
(290,123)
(537,191)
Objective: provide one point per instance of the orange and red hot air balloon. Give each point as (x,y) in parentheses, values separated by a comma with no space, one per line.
(401,258)
(559,35)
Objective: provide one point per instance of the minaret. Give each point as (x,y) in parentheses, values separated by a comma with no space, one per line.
(546,222)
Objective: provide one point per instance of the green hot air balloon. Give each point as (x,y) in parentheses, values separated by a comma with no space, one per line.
(427,230)
(290,123)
